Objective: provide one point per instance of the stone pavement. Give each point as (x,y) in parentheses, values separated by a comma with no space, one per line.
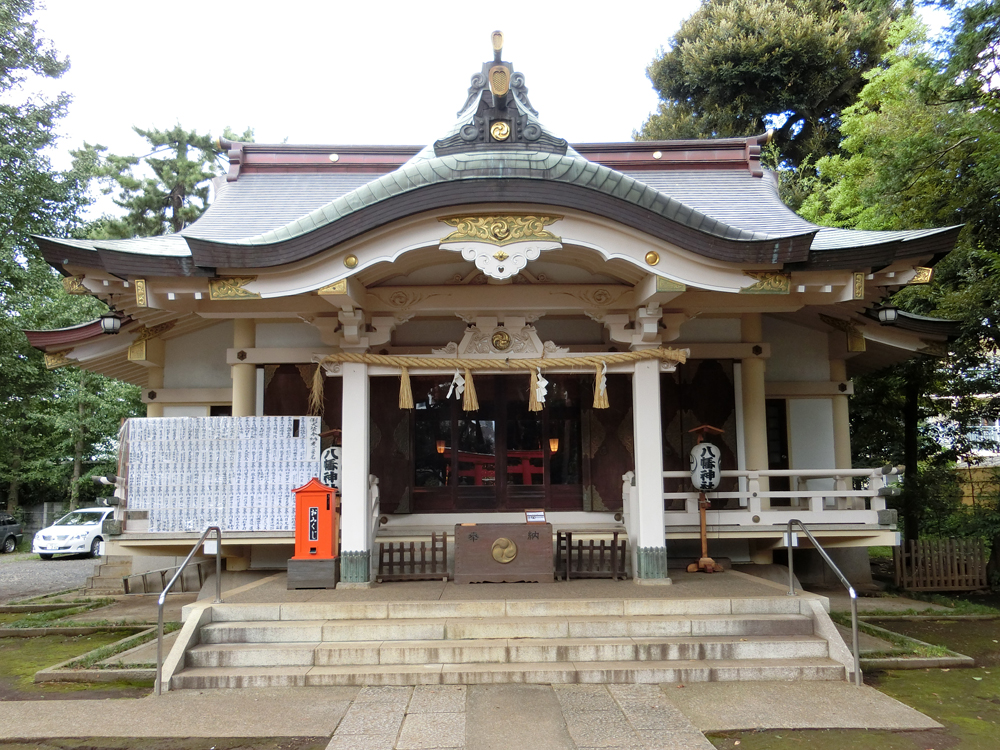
(475,717)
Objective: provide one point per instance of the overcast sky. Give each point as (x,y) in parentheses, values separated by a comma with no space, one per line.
(358,72)
(335,72)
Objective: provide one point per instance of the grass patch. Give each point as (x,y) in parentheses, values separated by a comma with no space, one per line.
(45,598)
(55,617)
(21,658)
(877,553)
(89,660)
(904,646)
(979,639)
(958,606)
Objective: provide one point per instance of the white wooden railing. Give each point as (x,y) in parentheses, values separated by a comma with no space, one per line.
(816,496)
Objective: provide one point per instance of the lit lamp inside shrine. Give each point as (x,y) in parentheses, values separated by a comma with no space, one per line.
(554,445)
(440,446)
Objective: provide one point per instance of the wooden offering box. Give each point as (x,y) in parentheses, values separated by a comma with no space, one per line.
(504,553)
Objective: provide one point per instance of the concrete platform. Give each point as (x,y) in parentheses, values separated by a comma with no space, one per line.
(684,585)
(529,717)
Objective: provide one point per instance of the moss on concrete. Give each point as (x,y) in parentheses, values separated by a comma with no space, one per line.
(965,701)
(20,658)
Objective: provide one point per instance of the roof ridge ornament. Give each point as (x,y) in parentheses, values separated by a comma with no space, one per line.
(498,114)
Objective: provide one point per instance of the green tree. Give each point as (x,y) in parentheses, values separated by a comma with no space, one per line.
(737,66)
(920,149)
(35,198)
(161,192)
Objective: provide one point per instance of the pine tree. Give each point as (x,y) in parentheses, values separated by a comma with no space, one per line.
(161,192)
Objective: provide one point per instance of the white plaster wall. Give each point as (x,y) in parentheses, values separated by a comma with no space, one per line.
(810,439)
(198,360)
(709,330)
(570,331)
(797,353)
(192,410)
(290,334)
(429,332)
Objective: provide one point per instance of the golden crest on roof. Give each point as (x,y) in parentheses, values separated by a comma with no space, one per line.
(500,230)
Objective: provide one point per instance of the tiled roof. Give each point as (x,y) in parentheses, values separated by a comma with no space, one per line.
(260,209)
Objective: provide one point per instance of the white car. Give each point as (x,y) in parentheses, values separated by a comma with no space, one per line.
(79,531)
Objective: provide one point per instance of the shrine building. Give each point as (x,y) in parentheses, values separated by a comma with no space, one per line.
(495,322)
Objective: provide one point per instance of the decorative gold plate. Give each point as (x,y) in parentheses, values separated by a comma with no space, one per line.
(504,550)
(500,340)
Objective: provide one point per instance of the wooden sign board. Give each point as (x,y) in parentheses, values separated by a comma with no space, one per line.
(534,516)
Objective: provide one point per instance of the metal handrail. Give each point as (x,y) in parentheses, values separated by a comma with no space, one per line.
(166,590)
(843,580)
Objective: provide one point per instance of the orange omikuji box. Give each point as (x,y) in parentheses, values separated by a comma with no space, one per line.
(316,522)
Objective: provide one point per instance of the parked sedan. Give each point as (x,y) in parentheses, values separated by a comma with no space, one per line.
(78,531)
(11,533)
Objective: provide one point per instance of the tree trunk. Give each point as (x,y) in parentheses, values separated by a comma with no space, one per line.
(911,488)
(993,565)
(14,490)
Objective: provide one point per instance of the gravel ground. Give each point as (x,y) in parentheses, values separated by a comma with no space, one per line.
(23,575)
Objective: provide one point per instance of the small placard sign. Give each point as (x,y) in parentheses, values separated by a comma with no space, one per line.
(534,516)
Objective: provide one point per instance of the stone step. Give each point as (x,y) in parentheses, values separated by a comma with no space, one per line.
(230,612)
(110,570)
(104,585)
(279,631)
(500,651)
(537,673)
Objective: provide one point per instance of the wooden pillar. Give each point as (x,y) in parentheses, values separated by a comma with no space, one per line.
(649,551)
(244,376)
(841,418)
(355,519)
(754,406)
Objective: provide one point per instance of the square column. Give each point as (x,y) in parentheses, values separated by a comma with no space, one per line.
(355,520)
(646,532)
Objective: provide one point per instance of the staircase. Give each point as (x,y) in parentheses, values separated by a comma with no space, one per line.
(107,578)
(469,642)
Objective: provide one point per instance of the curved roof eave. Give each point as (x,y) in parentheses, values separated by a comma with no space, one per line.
(570,169)
(567,182)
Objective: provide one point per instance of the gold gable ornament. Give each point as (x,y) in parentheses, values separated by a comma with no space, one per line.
(55,360)
(922,275)
(768,282)
(500,245)
(859,286)
(500,230)
(855,338)
(142,333)
(231,287)
(74,285)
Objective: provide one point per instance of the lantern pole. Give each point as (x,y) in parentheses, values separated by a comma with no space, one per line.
(705,564)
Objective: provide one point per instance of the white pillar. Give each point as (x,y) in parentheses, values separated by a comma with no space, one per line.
(355,520)
(649,551)
(841,418)
(244,376)
(154,380)
(754,401)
